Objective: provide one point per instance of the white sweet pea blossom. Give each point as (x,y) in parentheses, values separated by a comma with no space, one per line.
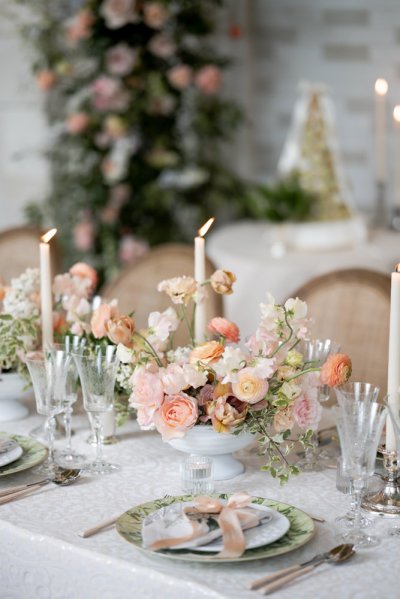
(173,379)
(124,354)
(297,306)
(180,355)
(193,377)
(161,324)
(232,360)
(264,368)
(270,313)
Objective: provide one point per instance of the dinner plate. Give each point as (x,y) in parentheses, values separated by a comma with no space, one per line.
(9,451)
(273,528)
(33,453)
(301,530)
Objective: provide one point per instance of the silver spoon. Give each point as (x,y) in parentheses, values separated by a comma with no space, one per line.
(336,555)
(61,477)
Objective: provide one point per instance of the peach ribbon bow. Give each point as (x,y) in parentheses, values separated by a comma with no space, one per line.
(232,519)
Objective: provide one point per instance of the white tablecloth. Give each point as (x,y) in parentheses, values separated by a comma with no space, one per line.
(42,556)
(245,249)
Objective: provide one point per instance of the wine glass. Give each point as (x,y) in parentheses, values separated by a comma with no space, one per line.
(68,457)
(360,423)
(315,352)
(97,370)
(48,380)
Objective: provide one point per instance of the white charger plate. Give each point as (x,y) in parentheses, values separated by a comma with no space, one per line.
(10,451)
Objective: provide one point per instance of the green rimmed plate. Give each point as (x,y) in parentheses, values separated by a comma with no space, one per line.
(33,454)
(301,530)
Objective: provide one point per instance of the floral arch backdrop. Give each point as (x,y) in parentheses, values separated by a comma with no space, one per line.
(132,93)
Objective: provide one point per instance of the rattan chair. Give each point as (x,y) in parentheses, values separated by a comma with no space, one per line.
(19,250)
(352,307)
(135,287)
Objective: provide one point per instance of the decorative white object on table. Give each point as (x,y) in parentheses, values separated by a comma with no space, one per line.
(396,118)
(46,297)
(204,440)
(394,357)
(381,89)
(200,276)
(11,390)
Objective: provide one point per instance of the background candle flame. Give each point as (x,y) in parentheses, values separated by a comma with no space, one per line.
(381,87)
(397,268)
(49,235)
(203,230)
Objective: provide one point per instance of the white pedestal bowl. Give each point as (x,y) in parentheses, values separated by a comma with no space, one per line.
(11,390)
(203,440)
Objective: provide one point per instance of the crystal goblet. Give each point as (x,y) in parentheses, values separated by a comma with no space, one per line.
(48,380)
(97,370)
(360,423)
(315,352)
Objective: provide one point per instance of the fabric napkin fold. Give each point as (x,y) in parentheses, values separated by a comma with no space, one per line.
(180,525)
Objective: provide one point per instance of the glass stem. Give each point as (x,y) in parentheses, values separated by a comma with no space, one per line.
(68,428)
(357,504)
(50,428)
(98,431)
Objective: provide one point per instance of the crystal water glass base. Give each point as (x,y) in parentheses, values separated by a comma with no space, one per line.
(387,501)
(97,468)
(70,459)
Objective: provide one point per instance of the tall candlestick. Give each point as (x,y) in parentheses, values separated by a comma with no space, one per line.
(381,88)
(396,119)
(200,276)
(394,357)
(46,297)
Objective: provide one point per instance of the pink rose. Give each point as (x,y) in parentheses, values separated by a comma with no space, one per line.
(147,396)
(180,76)
(249,387)
(99,318)
(77,123)
(131,249)
(176,416)
(155,15)
(162,46)
(307,410)
(84,271)
(83,234)
(208,79)
(118,13)
(336,370)
(45,80)
(224,328)
(120,59)
(80,27)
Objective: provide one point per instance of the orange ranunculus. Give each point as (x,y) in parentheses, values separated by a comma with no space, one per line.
(222,281)
(336,370)
(100,316)
(207,352)
(225,328)
(120,330)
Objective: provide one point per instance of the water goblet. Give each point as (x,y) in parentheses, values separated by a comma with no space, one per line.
(68,457)
(97,370)
(315,352)
(360,424)
(394,413)
(48,380)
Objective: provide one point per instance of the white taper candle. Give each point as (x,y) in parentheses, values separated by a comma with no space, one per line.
(394,357)
(200,276)
(46,297)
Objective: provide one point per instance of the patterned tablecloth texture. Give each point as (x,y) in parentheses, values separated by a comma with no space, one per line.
(42,556)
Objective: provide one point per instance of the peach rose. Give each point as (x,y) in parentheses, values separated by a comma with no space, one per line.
(248,387)
(307,410)
(336,370)
(176,416)
(45,80)
(222,281)
(207,352)
(84,271)
(208,79)
(283,420)
(99,318)
(120,330)
(226,413)
(180,76)
(225,328)
(77,123)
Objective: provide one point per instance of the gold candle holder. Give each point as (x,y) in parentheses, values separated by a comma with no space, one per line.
(387,501)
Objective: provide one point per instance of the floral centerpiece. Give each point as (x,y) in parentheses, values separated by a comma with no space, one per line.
(265,387)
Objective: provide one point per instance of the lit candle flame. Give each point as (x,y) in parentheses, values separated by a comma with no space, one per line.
(396,113)
(203,230)
(49,235)
(381,87)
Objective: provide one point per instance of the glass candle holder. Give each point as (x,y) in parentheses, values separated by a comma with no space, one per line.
(196,475)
